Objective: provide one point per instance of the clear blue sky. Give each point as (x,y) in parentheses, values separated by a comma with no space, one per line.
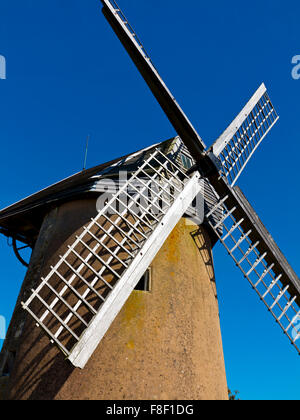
(68,76)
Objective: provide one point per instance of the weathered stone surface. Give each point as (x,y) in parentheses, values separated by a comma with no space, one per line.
(165,344)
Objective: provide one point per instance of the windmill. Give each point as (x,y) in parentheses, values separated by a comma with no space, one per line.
(82,293)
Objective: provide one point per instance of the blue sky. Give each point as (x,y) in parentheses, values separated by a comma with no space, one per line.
(68,76)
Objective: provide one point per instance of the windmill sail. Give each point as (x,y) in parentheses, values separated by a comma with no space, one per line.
(257,255)
(143,62)
(78,300)
(275,282)
(237,144)
(81,296)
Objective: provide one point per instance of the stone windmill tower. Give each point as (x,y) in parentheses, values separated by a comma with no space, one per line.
(121,281)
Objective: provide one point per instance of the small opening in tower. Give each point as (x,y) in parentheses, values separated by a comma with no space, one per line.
(144,285)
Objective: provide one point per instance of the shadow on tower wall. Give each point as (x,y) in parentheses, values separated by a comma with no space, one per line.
(44,374)
(202,240)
